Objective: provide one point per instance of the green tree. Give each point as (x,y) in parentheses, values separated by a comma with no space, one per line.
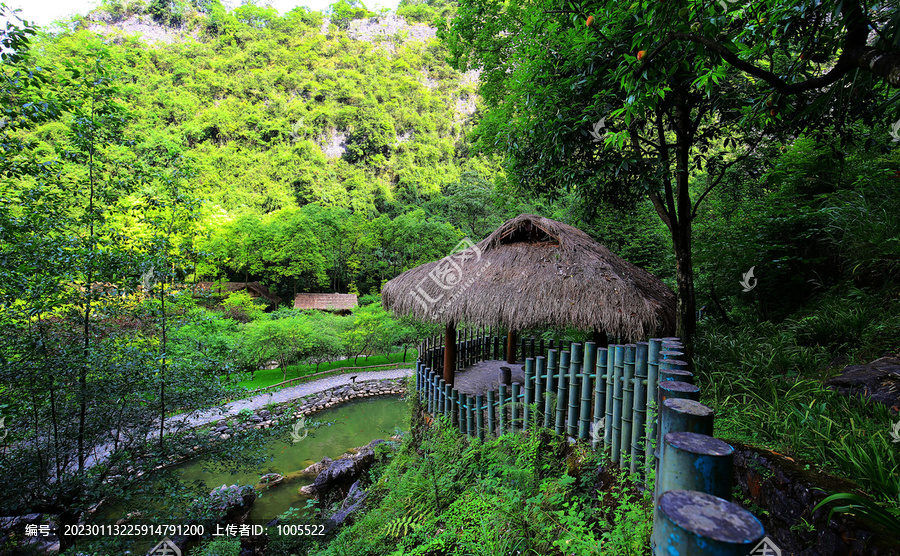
(372,331)
(78,356)
(345,11)
(641,105)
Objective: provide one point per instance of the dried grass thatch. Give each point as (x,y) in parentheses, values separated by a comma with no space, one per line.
(535,272)
(337,302)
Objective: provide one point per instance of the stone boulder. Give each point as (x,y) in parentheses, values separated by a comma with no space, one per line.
(335,481)
(318,467)
(269,480)
(353,502)
(232,503)
(878,381)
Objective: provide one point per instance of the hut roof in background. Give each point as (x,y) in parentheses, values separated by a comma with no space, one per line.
(536,272)
(255,289)
(325,301)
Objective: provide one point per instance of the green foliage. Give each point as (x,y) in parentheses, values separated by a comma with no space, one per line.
(445,493)
(345,11)
(766,386)
(226,546)
(856,504)
(241,307)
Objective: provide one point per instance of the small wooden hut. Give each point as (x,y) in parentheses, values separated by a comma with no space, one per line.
(340,303)
(532,272)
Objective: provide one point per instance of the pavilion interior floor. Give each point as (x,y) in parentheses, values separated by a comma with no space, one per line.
(485,375)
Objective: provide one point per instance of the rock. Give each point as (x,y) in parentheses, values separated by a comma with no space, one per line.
(878,381)
(264,413)
(318,467)
(353,502)
(269,480)
(225,436)
(233,502)
(335,480)
(308,490)
(256,418)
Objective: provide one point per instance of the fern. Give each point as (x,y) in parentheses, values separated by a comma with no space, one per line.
(402,526)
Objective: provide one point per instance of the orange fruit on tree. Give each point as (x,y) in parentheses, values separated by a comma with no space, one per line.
(590,20)
(641,54)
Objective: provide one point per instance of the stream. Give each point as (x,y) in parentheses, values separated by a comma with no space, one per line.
(348,425)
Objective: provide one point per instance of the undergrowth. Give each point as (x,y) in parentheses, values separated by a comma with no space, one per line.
(526,493)
(766,382)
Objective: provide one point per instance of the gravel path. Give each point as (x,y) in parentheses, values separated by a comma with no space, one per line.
(260,401)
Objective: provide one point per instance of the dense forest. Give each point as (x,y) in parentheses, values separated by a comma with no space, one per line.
(739,154)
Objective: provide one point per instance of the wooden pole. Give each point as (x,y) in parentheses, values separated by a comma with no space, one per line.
(449,353)
(511,346)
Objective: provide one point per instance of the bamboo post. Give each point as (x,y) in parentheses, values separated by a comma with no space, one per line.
(461,412)
(501,407)
(675,374)
(418,377)
(479,416)
(599,397)
(574,384)
(653,348)
(561,392)
(551,386)
(529,391)
(627,402)
(590,361)
(470,416)
(700,524)
(638,432)
(432,384)
(540,364)
(454,407)
(523,347)
(668,353)
(514,409)
(491,421)
(610,389)
(683,415)
(678,389)
(691,461)
(618,386)
(531,347)
(448,400)
(541,349)
(441,406)
(496,348)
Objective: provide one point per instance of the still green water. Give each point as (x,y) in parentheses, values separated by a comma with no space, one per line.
(348,425)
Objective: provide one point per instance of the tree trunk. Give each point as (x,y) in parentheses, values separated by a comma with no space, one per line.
(511,347)
(450,354)
(686,305)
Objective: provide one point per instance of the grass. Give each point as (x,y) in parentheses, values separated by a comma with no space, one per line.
(525,493)
(766,383)
(268,377)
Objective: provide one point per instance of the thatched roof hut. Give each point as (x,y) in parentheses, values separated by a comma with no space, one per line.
(334,302)
(535,272)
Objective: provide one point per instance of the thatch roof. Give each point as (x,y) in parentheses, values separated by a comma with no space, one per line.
(325,301)
(255,289)
(535,272)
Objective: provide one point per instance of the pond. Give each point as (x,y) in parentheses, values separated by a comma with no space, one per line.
(348,425)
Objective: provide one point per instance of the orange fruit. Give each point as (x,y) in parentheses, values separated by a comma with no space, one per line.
(641,54)
(590,20)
